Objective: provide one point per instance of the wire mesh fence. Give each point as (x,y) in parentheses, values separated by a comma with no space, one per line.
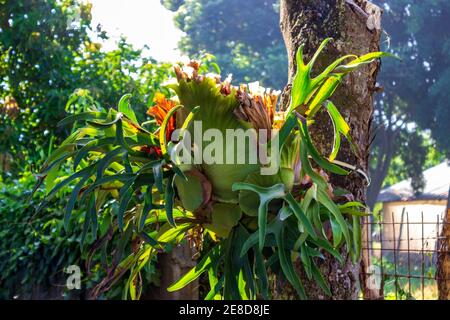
(401,251)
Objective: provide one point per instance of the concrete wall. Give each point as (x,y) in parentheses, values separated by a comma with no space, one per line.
(401,212)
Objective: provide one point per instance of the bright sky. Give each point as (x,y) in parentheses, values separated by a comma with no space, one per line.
(142,22)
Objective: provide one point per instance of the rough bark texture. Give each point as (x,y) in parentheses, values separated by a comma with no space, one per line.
(443,261)
(310,22)
(173,266)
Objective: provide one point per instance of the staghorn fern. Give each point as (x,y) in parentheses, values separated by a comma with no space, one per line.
(123,170)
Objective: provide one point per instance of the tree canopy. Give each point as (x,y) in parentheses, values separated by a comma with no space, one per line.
(51,66)
(249,45)
(47,54)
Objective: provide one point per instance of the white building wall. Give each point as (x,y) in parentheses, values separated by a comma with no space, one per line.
(432,213)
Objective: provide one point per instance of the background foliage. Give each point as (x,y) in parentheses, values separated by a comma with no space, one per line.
(249,46)
(49,66)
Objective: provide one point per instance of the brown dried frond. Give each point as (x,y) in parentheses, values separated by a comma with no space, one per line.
(257,108)
(195,237)
(189,72)
(225,88)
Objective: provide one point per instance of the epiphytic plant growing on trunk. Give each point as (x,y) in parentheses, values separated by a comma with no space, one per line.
(126,173)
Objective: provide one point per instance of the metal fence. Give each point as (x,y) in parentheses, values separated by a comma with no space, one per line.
(400,255)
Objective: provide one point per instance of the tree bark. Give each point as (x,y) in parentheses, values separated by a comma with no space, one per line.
(173,265)
(346,21)
(443,260)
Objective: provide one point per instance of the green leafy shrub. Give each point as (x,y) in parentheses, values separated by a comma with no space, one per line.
(33,251)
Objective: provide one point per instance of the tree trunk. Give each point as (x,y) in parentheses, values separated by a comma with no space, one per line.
(346,21)
(385,154)
(173,265)
(443,261)
(386,140)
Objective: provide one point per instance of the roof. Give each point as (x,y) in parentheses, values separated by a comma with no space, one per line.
(437,183)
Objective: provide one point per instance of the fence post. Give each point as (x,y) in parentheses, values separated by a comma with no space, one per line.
(443,261)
